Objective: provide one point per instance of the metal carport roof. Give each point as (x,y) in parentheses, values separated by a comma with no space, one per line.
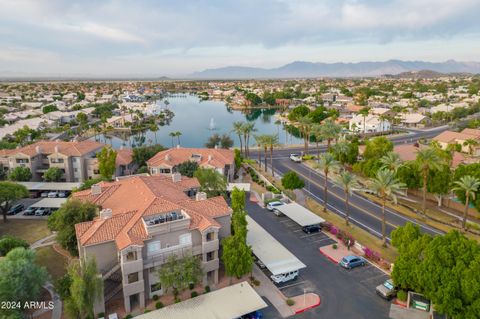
(299,214)
(49,203)
(226,303)
(49,186)
(272,254)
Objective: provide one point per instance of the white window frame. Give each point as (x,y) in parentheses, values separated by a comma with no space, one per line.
(185,239)
(154,244)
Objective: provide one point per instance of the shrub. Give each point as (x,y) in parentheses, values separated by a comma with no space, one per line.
(291,180)
(372,255)
(327,226)
(155,297)
(402,295)
(129,316)
(191,285)
(159,305)
(147,310)
(290,302)
(193,294)
(256,282)
(333,230)
(101,315)
(177,299)
(308,157)
(8,243)
(207,288)
(334,246)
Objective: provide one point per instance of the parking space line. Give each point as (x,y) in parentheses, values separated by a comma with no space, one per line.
(297,230)
(309,235)
(320,240)
(374,278)
(292,285)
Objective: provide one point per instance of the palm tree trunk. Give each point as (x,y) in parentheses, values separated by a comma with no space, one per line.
(260,156)
(328,144)
(318,153)
(241,145)
(271,160)
(325,190)
(265,157)
(384,236)
(4,216)
(178,139)
(424,190)
(347,209)
(465,213)
(247,149)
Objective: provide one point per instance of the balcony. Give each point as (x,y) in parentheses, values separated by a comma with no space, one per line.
(210,245)
(133,288)
(132,266)
(161,256)
(166,223)
(210,265)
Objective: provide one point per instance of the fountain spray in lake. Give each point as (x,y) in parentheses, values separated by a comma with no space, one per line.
(212,124)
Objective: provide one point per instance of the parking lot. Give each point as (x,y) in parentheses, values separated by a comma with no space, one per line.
(344,293)
(27,202)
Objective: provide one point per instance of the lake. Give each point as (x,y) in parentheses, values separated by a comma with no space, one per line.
(198,120)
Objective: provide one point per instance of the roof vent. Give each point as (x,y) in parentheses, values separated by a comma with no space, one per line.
(56,148)
(176,177)
(105,213)
(38,149)
(210,157)
(167,157)
(178,145)
(201,196)
(96,189)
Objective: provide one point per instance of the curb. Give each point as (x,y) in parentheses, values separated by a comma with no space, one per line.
(328,257)
(399,303)
(309,307)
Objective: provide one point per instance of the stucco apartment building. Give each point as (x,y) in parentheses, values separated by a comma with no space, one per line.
(143,221)
(77,160)
(222,160)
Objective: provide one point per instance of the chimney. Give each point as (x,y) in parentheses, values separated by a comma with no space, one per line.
(38,149)
(105,213)
(216,146)
(167,157)
(178,146)
(176,177)
(96,189)
(56,148)
(201,196)
(210,157)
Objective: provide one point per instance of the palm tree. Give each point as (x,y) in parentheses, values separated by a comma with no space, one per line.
(259,143)
(364,112)
(341,150)
(330,131)
(427,159)
(305,127)
(172,135)
(247,129)
(238,129)
(318,135)
(391,161)
(471,143)
(272,141)
(154,127)
(385,186)
(327,164)
(178,134)
(468,185)
(349,182)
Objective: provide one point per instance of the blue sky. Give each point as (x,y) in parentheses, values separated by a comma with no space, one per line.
(141,37)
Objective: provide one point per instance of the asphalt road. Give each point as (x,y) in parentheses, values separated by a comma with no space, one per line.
(363,212)
(344,293)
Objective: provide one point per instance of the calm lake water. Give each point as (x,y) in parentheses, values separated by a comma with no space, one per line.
(197,121)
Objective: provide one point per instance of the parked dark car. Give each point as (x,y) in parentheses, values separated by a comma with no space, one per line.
(311,229)
(253,315)
(16,209)
(352,261)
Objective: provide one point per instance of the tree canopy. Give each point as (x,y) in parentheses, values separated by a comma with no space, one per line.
(178,273)
(291,180)
(187,168)
(298,112)
(106,162)
(9,193)
(63,221)
(20,174)
(142,154)
(7,243)
(53,174)
(211,182)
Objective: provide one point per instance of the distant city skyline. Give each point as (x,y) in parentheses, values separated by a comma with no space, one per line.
(177,38)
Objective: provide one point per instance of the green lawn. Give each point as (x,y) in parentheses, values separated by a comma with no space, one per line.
(54,262)
(27,229)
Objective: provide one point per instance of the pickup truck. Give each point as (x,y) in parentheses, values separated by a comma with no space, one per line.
(297,158)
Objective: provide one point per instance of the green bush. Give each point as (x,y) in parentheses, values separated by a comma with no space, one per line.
(207,288)
(191,285)
(129,316)
(308,157)
(8,243)
(158,305)
(177,299)
(292,181)
(155,297)
(101,315)
(402,295)
(334,246)
(193,294)
(147,310)
(290,302)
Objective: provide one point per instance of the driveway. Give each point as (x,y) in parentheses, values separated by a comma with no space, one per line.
(344,293)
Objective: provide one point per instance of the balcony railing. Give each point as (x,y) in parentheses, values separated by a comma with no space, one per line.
(163,254)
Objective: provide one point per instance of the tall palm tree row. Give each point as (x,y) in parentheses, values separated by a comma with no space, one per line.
(330,131)
(468,185)
(349,183)
(259,142)
(238,129)
(391,161)
(386,186)
(305,127)
(427,159)
(244,130)
(327,164)
(272,141)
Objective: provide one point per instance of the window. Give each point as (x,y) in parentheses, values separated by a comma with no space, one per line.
(75,170)
(210,236)
(96,171)
(153,269)
(210,256)
(155,287)
(133,277)
(165,171)
(185,239)
(131,256)
(153,247)
(56,160)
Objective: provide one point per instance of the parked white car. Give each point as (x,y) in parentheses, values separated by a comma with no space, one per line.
(278,279)
(297,158)
(52,194)
(272,205)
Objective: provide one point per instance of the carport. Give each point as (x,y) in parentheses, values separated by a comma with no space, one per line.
(45,186)
(278,259)
(49,203)
(300,214)
(229,302)
(241,186)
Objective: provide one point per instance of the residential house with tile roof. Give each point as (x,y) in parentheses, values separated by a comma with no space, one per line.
(143,221)
(462,138)
(165,162)
(77,160)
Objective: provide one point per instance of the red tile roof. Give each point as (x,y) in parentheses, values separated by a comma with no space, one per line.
(133,198)
(207,157)
(66,148)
